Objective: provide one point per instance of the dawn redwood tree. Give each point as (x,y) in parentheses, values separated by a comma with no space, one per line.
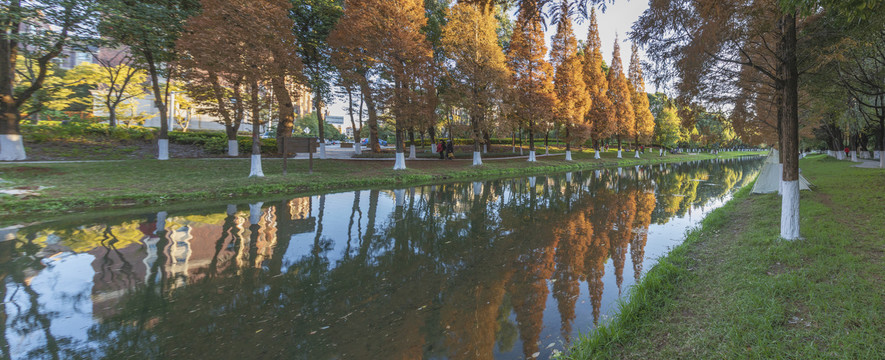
(149,28)
(39,31)
(708,43)
(477,74)
(645,122)
(533,94)
(599,114)
(571,92)
(619,95)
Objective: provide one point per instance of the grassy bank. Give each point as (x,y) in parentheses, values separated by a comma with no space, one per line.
(734,290)
(70,187)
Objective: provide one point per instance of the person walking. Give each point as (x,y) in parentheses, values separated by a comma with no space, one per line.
(441,149)
(847,151)
(450,150)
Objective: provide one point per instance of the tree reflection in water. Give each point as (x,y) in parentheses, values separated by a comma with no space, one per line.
(462,270)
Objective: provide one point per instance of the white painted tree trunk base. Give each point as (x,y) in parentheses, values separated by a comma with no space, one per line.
(322,150)
(485,148)
(568,155)
(619,154)
(255,170)
(233,148)
(357,148)
(637,154)
(477,188)
(532,181)
(400,161)
(412,152)
(12,147)
(255,213)
(546,150)
(568,177)
(661,153)
(231,209)
(163,149)
(854,156)
(399,197)
(477,158)
(532,156)
(161,221)
(790,210)
(596,154)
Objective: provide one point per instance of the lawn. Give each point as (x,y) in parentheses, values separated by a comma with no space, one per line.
(735,290)
(72,187)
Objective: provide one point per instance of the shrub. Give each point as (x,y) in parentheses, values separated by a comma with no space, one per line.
(75,130)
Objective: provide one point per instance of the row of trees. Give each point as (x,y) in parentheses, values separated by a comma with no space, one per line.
(410,62)
(762,59)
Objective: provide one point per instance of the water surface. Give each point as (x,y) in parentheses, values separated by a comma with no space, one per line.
(503,269)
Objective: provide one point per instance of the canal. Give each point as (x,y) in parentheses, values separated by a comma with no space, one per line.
(501,269)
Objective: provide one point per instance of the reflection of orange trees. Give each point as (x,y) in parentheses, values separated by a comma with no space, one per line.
(574,238)
(528,287)
(645,204)
(470,313)
(622,231)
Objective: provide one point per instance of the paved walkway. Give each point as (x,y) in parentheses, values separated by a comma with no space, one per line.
(332,152)
(869,164)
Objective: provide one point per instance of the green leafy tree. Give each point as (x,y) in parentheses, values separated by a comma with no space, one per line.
(313,21)
(668,127)
(39,31)
(149,28)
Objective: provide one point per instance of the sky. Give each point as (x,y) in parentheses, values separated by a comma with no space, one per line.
(617,19)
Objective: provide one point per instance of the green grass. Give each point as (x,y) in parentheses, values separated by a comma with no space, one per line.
(72,187)
(733,289)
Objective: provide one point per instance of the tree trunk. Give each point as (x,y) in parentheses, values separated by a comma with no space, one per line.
(321,124)
(373,115)
(412,146)
(477,135)
(256,130)
(400,148)
(286,110)
(790,199)
(163,135)
(112,115)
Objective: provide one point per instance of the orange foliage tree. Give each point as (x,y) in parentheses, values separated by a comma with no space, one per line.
(619,95)
(645,122)
(599,113)
(478,74)
(571,92)
(533,98)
